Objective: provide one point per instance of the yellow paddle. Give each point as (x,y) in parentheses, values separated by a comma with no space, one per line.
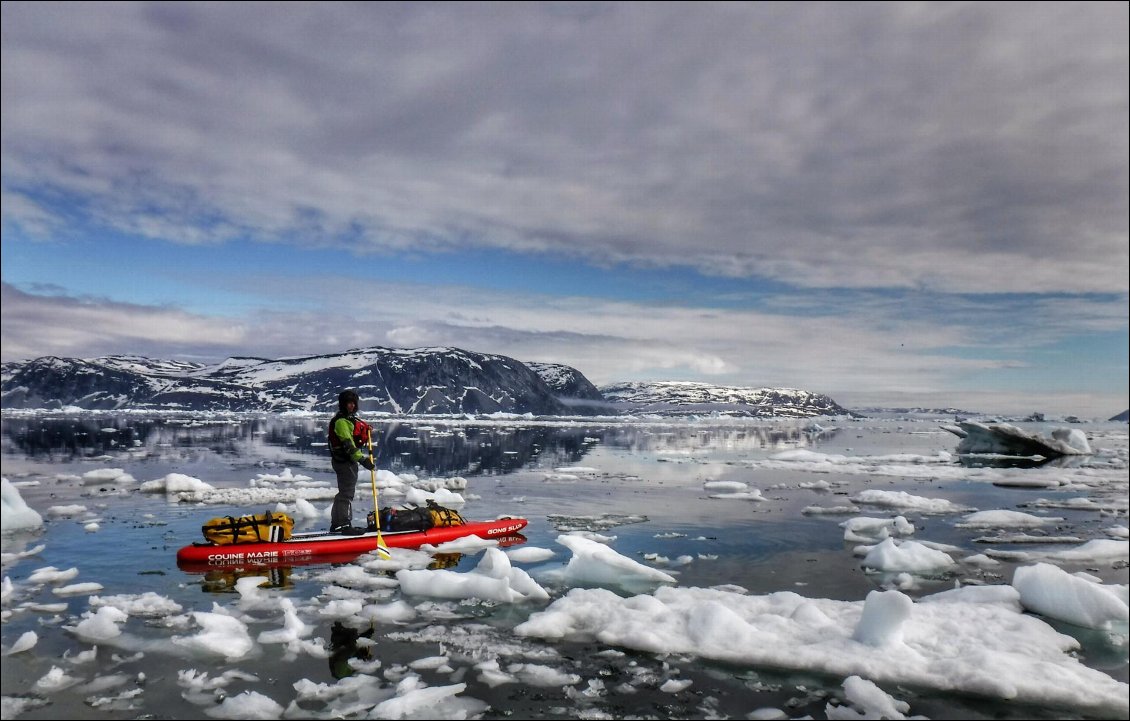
(382,549)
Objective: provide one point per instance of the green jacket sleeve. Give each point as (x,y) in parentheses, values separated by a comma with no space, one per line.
(344,430)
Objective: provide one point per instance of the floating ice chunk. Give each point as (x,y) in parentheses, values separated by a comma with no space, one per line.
(55,680)
(15,514)
(221,636)
(816,486)
(102,625)
(13,706)
(395,612)
(674,685)
(494,579)
(50,574)
(305,509)
(77,589)
(753,494)
(872,702)
(248,589)
(287,476)
(1098,549)
(909,556)
(176,483)
(442,664)
(530,554)
(25,642)
(341,608)
(533,674)
(293,627)
(981,560)
(596,564)
(202,690)
(84,656)
(107,475)
(1073,438)
(148,604)
(466,544)
(442,496)
(247,705)
(492,675)
(388,479)
(496,564)
(1050,591)
(902,499)
(1005,519)
(413,700)
(864,528)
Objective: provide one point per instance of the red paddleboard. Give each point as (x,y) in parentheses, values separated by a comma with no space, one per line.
(326,547)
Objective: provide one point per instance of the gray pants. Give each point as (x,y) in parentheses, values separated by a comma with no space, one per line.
(342,512)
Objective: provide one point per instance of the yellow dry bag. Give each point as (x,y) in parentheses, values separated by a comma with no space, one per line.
(267,526)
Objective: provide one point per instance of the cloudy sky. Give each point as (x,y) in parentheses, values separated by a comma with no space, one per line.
(893,204)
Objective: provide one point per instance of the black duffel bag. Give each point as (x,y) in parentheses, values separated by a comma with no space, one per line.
(403,519)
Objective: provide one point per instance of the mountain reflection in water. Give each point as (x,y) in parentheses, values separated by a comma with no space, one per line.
(430,447)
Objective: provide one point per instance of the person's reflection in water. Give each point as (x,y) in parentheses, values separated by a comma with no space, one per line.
(344,646)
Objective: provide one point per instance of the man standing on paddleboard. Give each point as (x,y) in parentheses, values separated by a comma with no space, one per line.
(348,434)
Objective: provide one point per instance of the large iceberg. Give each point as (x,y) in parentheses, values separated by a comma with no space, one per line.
(1008,440)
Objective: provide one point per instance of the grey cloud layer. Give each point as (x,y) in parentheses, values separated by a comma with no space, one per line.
(974,148)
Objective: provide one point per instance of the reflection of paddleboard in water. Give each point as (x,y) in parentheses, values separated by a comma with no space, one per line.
(225,580)
(326,547)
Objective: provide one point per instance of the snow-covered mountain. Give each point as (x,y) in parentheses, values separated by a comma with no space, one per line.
(566,381)
(401,381)
(673,398)
(393,380)
(573,389)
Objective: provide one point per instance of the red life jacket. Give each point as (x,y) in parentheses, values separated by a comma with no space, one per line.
(361,432)
(361,435)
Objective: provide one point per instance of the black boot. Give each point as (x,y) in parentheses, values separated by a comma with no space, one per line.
(341,515)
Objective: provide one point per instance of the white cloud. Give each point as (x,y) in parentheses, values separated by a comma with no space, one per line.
(963,148)
(38,325)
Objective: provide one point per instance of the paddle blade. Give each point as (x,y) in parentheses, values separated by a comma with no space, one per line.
(382,549)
